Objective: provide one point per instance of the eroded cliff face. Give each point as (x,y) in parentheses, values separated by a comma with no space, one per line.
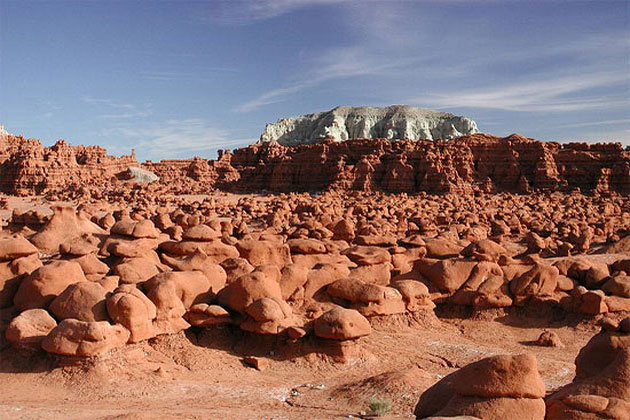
(465,164)
(477,162)
(394,122)
(27,167)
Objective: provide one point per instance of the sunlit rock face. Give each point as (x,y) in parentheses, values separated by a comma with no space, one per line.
(394,122)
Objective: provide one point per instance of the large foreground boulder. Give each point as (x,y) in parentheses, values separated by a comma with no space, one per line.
(494,388)
(601,387)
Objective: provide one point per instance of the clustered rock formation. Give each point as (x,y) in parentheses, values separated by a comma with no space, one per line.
(396,122)
(27,167)
(317,272)
(472,163)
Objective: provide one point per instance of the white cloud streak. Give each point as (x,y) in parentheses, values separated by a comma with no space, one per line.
(245,12)
(552,94)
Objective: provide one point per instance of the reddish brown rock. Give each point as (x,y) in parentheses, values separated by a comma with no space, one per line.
(27,330)
(498,387)
(78,338)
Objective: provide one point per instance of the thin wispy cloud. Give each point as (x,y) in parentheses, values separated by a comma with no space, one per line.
(551,94)
(198,74)
(596,123)
(107,102)
(336,63)
(174,137)
(244,12)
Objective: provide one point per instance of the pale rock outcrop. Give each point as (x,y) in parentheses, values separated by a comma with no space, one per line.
(393,122)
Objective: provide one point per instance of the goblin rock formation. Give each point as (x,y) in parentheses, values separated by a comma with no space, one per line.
(343,123)
(27,167)
(472,163)
(468,163)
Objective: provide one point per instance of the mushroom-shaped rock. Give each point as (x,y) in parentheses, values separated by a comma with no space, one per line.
(15,247)
(46,283)
(368,299)
(242,292)
(342,324)
(267,316)
(306,246)
(135,229)
(202,233)
(131,308)
(367,255)
(64,225)
(494,388)
(79,338)
(199,261)
(204,315)
(84,301)
(28,329)
(192,286)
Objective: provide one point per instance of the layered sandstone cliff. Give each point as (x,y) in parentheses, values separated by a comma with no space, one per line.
(27,167)
(394,122)
(468,163)
(477,162)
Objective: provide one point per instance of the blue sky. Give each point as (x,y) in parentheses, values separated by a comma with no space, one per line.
(179,79)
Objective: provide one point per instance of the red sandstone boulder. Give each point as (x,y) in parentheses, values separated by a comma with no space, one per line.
(446,275)
(342,324)
(204,315)
(267,315)
(11,275)
(601,387)
(368,299)
(495,388)
(46,283)
(79,338)
(84,301)
(65,225)
(367,255)
(247,289)
(28,329)
(131,308)
(265,252)
(199,261)
(15,247)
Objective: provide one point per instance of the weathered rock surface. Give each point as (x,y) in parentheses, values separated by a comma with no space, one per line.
(394,122)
